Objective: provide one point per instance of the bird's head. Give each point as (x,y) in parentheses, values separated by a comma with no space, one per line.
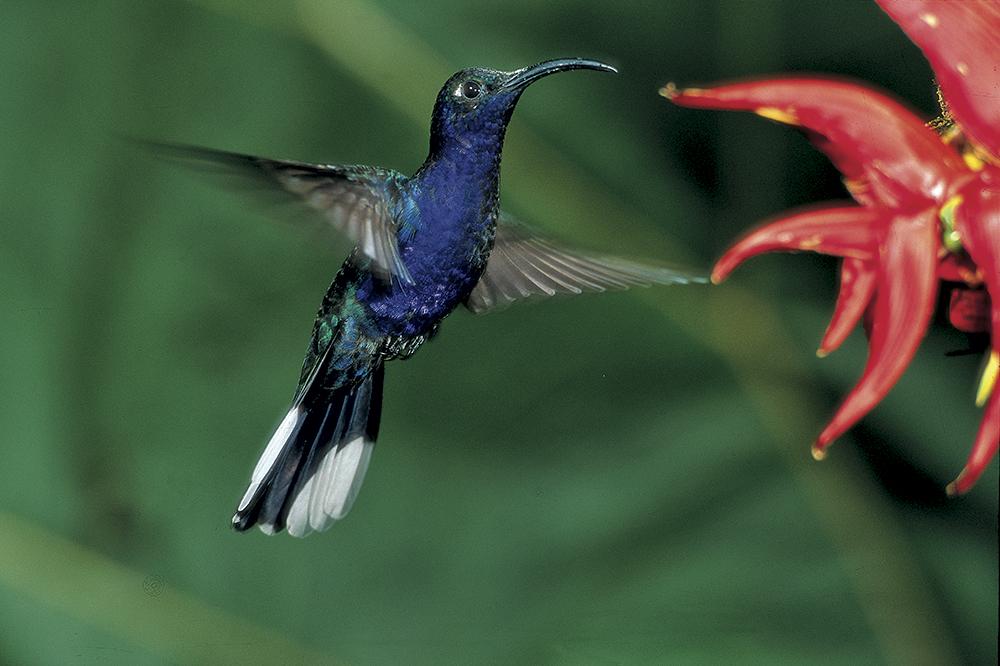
(473,108)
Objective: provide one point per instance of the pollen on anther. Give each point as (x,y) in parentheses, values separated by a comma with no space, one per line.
(810,243)
(786,117)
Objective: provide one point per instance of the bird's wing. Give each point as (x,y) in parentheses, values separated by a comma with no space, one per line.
(353,200)
(524,265)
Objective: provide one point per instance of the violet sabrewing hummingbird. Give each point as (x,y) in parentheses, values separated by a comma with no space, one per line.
(425,244)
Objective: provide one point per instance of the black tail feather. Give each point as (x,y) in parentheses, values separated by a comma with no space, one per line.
(323,455)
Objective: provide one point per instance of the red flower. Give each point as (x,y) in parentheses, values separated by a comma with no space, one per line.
(928,203)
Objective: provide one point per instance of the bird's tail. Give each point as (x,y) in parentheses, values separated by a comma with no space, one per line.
(312,469)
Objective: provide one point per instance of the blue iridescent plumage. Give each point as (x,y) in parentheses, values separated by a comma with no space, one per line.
(425,244)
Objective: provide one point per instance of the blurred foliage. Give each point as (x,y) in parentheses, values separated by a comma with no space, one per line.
(622,479)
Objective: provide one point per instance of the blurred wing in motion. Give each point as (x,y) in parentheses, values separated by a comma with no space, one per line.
(355,201)
(524,265)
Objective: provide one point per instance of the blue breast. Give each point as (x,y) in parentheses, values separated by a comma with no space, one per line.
(449,225)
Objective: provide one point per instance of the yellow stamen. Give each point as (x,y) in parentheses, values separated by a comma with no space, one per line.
(777,114)
(944,124)
(668,90)
(989,380)
(950,238)
(973,160)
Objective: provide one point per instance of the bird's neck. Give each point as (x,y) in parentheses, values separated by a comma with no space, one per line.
(463,178)
(475,153)
(472,152)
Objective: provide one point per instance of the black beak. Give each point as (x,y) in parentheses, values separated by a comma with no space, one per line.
(523,77)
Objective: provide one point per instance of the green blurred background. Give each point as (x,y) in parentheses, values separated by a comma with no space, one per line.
(618,479)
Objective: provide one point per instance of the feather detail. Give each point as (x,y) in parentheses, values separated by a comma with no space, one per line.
(523,265)
(312,469)
(350,201)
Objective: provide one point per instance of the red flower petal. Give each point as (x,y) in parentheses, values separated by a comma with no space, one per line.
(977,220)
(864,133)
(844,232)
(857,287)
(894,165)
(962,42)
(969,310)
(983,450)
(958,268)
(903,306)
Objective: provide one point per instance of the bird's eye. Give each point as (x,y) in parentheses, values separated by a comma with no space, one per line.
(471,90)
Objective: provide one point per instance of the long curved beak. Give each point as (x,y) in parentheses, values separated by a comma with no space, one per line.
(523,77)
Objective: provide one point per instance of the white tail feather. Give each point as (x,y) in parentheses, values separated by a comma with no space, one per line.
(331,491)
(271,453)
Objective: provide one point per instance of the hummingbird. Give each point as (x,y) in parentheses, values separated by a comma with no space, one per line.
(424,245)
